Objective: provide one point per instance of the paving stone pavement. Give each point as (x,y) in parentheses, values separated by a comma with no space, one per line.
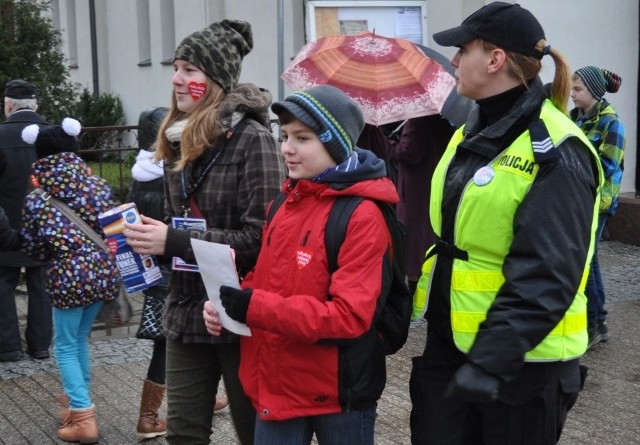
(606,412)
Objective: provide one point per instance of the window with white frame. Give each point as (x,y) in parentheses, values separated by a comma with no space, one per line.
(144,33)
(168,27)
(72,34)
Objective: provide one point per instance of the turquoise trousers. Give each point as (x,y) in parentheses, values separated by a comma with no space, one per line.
(71,349)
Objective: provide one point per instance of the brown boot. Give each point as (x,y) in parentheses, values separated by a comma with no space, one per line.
(80,426)
(149,425)
(63,408)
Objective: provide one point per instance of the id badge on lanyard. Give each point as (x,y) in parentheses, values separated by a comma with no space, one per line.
(199,224)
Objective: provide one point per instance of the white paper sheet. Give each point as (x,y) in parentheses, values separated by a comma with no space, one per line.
(218,268)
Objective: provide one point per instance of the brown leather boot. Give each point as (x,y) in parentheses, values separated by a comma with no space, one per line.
(80,426)
(63,408)
(149,425)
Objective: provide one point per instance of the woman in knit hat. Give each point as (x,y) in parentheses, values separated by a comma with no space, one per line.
(81,276)
(315,361)
(147,192)
(600,123)
(222,167)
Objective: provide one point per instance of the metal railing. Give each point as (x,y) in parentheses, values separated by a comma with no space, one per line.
(112,145)
(118,145)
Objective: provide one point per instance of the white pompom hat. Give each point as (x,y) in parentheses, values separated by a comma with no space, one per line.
(53,139)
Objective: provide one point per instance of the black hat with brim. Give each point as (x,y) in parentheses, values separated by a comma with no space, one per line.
(20,89)
(506,25)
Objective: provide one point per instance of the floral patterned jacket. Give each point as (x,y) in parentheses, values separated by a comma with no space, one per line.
(80,272)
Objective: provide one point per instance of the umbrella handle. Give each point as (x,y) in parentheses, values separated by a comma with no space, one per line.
(398,128)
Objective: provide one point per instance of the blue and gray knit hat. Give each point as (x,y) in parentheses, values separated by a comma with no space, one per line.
(599,81)
(330,113)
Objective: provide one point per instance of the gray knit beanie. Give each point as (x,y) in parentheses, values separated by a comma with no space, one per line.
(598,81)
(218,50)
(330,113)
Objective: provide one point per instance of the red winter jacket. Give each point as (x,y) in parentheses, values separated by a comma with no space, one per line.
(302,359)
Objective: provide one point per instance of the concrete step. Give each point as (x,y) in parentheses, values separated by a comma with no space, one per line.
(624,226)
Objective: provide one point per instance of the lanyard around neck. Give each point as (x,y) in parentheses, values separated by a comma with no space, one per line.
(188,193)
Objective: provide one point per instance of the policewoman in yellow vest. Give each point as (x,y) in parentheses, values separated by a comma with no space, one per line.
(514,204)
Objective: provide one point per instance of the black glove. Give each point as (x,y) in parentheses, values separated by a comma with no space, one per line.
(472,384)
(235,302)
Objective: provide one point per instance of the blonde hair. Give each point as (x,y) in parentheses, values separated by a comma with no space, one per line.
(525,68)
(201,132)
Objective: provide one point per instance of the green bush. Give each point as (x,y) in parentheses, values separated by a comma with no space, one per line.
(111,172)
(98,110)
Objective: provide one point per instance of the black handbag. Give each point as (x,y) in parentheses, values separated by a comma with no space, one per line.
(151,318)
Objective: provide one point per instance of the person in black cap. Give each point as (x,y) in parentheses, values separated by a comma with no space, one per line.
(16,157)
(19,89)
(514,204)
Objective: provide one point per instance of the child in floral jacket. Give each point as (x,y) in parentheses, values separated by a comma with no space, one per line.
(81,275)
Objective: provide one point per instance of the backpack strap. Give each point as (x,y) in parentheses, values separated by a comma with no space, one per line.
(336,227)
(275,205)
(393,309)
(73,217)
(398,235)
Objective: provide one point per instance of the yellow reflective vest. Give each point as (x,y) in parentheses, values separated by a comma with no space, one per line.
(487,236)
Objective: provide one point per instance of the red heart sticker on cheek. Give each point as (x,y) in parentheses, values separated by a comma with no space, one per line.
(197,90)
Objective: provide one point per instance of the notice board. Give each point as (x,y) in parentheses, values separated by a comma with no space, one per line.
(393,18)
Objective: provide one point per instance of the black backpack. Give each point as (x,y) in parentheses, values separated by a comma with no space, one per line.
(393,313)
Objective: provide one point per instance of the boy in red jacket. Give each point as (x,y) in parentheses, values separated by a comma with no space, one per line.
(315,362)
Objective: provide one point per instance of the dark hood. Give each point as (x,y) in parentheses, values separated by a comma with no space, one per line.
(369,180)
(245,100)
(62,175)
(371,167)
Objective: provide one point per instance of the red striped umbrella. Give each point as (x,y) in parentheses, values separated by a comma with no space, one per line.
(390,78)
